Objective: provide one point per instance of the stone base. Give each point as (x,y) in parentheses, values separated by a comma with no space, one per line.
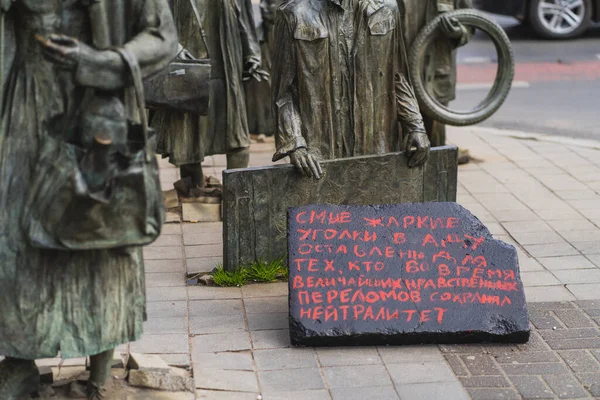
(201,212)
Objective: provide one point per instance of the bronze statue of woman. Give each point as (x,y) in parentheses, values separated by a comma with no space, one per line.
(76,303)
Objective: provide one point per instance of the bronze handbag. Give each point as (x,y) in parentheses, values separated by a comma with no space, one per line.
(184,85)
(103,196)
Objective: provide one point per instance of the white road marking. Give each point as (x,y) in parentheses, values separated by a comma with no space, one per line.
(488,86)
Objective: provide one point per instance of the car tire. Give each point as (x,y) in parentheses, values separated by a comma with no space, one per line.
(430,106)
(567,28)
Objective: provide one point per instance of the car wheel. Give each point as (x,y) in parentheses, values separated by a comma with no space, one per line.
(560,19)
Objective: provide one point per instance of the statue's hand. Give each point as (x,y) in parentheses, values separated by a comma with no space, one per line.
(455,31)
(417,146)
(253,70)
(306,163)
(61,50)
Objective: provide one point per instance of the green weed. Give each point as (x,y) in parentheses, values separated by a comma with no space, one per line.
(262,271)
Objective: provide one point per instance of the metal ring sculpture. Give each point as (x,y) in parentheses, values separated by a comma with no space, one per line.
(504,77)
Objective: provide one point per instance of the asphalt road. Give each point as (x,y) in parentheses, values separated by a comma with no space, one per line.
(557,87)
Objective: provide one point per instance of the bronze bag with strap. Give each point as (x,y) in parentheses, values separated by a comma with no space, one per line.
(99,192)
(184,85)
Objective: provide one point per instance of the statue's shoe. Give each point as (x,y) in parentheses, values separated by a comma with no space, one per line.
(95,392)
(18,379)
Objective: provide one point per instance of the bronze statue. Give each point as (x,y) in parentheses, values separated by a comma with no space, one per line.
(258,94)
(440,63)
(340,84)
(77,302)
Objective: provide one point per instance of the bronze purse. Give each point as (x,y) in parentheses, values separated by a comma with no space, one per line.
(183,85)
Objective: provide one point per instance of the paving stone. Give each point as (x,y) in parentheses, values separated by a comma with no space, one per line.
(575,344)
(595,259)
(551,250)
(298,395)
(151,266)
(291,380)
(535,369)
(356,376)
(165,294)
(569,333)
(277,289)
(201,212)
(420,373)
(565,386)
(585,291)
(485,381)
(163,253)
(204,227)
(234,360)
(273,359)
(460,348)
(163,309)
(548,293)
(201,238)
(401,354)
(263,305)
(272,339)
(493,394)
(219,379)
(591,382)
(553,305)
(223,395)
(567,262)
(363,393)
(217,323)
(527,226)
(331,357)
(213,293)
(163,279)
(578,276)
(202,264)
(527,238)
(515,215)
(543,319)
(536,343)
(157,379)
(261,322)
(574,318)
(457,365)
(528,264)
(215,343)
(168,240)
(159,344)
(541,278)
(588,248)
(524,357)
(203,251)
(481,364)
(532,387)
(580,361)
(499,349)
(205,308)
(164,325)
(582,235)
(428,391)
(171,229)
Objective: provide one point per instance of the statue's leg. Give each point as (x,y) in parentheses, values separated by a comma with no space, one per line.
(99,371)
(194,172)
(18,378)
(239,158)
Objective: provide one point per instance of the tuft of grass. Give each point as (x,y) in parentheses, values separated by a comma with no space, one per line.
(258,272)
(264,271)
(229,279)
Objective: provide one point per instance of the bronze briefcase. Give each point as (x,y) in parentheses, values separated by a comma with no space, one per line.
(183,86)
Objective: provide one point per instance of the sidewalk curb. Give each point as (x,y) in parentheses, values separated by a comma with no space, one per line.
(541,137)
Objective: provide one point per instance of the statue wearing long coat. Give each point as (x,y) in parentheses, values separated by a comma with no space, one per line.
(85,302)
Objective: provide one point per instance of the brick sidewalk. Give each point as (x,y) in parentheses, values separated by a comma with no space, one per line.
(542,197)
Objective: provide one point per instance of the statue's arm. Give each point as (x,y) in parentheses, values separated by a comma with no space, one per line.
(288,134)
(250,45)
(154,46)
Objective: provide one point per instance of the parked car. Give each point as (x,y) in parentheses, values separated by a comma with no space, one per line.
(551,19)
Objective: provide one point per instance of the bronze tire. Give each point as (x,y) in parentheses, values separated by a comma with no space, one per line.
(504,77)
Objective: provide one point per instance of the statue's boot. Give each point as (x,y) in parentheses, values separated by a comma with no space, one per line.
(99,372)
(18,378)
(238,158)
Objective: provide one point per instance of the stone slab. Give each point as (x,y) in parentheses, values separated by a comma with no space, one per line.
(401,274)
(256,200)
